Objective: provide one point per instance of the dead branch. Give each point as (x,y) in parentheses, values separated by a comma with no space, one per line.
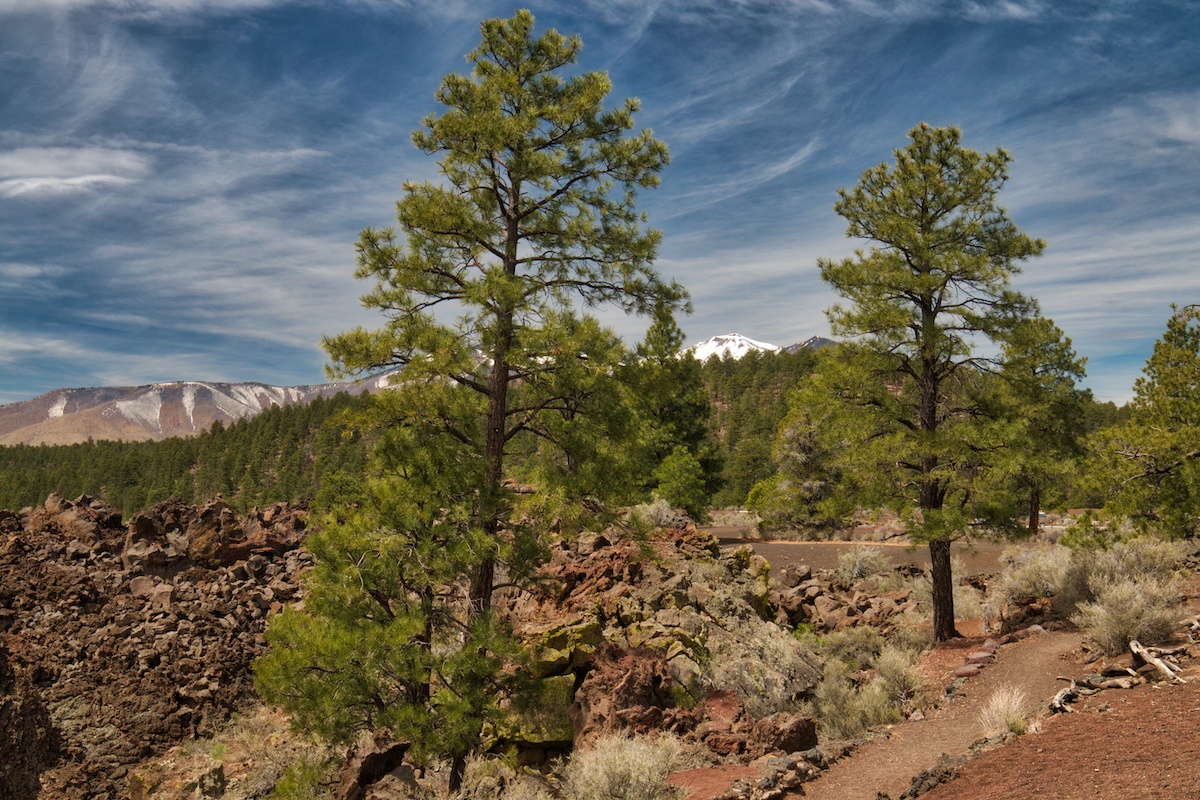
(1061,702)
(1149,657)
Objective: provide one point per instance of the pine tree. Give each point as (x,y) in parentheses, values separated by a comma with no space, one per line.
(921,305)
(1152,462)
(535,218)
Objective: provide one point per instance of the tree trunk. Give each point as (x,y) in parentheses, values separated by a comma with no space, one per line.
(491,492)
(458,769)
(943,590)
(1035,510)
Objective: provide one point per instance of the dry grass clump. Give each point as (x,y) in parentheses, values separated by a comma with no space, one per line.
(624,768)
(1005,712)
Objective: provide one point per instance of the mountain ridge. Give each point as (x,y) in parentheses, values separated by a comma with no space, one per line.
(155,411)
(736,346)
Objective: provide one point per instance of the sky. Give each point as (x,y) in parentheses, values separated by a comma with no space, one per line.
(182,182)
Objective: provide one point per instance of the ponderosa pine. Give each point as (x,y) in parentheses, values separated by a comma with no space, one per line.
(481,286)
(928,310)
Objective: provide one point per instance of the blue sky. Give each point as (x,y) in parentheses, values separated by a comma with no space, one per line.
(182,181)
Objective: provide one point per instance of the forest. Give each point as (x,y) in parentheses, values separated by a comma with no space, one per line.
(291,453)
(283,454)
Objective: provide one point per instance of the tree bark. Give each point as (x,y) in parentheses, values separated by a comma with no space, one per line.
(1035,511)
(458,770)
(943,591)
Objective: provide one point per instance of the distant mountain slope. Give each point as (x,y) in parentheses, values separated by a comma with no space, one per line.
(154,412)
(733,345)
(811,343)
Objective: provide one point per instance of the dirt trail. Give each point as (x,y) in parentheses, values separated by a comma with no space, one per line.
(889,763)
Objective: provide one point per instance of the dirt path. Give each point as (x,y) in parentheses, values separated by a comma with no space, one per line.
(889,763)
(973,556)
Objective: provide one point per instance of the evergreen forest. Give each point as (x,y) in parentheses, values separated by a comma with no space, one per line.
(293,453)
(283,454)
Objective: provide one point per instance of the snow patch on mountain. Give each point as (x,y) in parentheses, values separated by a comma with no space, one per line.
(144,409)
(189,403)
(60,406)
(239,401)
(733,345)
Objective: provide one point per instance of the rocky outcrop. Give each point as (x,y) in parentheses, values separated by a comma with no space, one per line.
(137,636)
(802,597)
(29,744)
(660,635)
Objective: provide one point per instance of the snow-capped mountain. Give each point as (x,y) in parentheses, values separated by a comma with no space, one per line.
(811,343)
(733,345)
(156,411)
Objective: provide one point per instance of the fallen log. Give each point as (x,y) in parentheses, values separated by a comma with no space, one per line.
(1147,654)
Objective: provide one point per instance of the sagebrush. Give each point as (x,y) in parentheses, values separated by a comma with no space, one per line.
(624,768)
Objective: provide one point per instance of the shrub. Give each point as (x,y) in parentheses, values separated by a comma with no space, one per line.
(306,778)
(1032,572)
(1075,578)
(861,561)
(620,768)
(845,710)
(967,599)
(1143,558)
(496,778)
(766,667)
(1145,609)
(910,636)
(657,513)
(898,677)
(1004,712)
(527,788)
(856,647)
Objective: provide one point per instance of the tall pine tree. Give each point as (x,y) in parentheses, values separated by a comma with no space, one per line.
(929,308)
(534,219)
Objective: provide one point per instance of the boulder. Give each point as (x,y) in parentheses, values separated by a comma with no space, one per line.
(29,742)
(628,692)
(791,733)
(133,647)
(367,764)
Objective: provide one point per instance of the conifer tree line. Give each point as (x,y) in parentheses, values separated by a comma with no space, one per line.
(292,453)
(729,410)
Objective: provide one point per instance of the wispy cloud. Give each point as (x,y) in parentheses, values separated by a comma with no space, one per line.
(136,7)
(202,167)
(67,170)
(740,182)
(1023,11)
